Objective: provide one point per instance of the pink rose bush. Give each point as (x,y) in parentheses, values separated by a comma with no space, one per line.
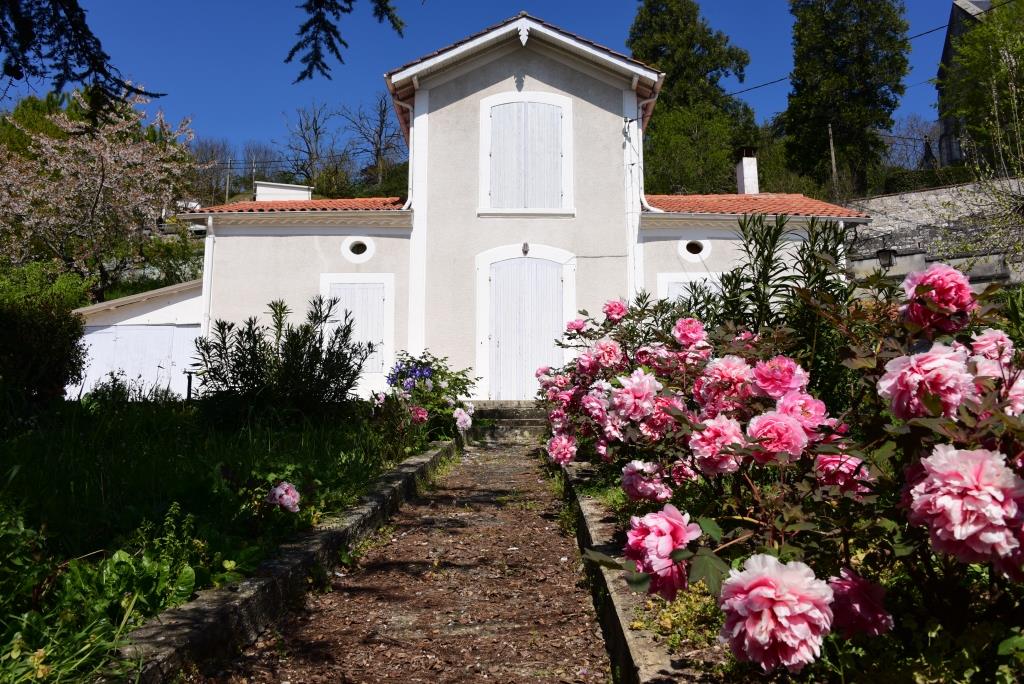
(776,614)
(892,466)
(650,542)
(285,496)
(463,421)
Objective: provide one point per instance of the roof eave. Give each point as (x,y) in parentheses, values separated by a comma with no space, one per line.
(139,297)
(664,218)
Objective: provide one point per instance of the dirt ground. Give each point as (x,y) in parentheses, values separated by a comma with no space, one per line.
(472,581)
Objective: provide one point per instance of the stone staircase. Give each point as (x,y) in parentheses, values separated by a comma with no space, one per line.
(509,422)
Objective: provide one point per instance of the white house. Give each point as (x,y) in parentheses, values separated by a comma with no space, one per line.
(525,203)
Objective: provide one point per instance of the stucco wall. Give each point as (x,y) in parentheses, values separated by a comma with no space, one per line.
(661,253)
(253,266)
(597,234)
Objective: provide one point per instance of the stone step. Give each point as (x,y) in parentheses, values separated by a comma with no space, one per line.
(504,404)
(510,414)
(519,434)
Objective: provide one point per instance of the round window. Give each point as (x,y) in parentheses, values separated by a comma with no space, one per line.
(694,251)
(694,247)
(357,249)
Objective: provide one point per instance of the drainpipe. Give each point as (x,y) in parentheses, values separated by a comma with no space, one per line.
(208,275)
(412,133)
(643,197)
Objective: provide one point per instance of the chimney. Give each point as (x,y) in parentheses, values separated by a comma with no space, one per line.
(271,192)
(746,171)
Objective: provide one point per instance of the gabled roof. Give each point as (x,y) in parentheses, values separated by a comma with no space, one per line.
(404,81)
(764,203)
(347,204)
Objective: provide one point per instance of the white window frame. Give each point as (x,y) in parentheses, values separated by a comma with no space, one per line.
(665,279)
(388,281)
(568,208)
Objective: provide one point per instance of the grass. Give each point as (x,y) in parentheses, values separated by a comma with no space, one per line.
(111,513)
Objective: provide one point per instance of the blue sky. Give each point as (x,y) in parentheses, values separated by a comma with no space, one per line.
(221,61)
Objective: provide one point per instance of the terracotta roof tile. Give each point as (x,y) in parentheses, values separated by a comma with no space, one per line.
(348,204)
(764,203)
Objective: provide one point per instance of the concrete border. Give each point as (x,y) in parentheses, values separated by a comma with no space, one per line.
(637,658)
(221,621)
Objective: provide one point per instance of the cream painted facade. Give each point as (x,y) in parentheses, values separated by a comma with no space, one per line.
(525,204)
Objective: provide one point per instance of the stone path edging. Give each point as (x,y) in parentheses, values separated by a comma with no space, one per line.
(636,657)
(222,620)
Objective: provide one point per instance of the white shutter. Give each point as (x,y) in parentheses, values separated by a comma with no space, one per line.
(507,155)
(365,302)
(543,136)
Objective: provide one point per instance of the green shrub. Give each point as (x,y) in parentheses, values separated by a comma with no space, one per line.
(41,349)
(284,368)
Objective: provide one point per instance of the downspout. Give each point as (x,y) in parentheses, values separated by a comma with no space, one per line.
(642,105)
(208,275)
(408,175)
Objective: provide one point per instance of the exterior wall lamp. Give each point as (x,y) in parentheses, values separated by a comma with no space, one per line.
(886,257)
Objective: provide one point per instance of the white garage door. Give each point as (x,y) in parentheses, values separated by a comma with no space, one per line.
(525,321)
(156,354)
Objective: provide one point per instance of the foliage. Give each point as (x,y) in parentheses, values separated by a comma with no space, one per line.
(983,86)
(427,382)
(849,60)
(826,493)
(689,143)
(41,350)
(90,198)
(689,149)
(300,369)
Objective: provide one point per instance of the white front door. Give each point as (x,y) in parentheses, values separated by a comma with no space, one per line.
(525,320)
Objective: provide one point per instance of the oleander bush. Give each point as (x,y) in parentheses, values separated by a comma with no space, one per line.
(839,467)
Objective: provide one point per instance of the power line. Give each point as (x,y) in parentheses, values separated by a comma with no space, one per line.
(913,37)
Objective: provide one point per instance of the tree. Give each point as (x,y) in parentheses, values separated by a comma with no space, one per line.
(316,155)
(90,198)
(849,60)
(375,138)
(696,127)
(51,40)
(211,157)
(260,161)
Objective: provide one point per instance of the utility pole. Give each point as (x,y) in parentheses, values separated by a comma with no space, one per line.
(832,151)
(227,181)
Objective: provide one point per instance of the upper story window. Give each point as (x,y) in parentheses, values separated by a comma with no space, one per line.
(526,154)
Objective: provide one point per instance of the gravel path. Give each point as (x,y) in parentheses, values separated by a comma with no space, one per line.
(472,581)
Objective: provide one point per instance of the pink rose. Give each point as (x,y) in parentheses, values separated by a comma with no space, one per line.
(542,371)
(775,615)
(642,482)
(286,496)
(810,412)
(418,414)
(463,421)
(710,445)
(724,385)
(557,419)
(994,345)
(858,606)
(779,376)
(971,503)
(586,364)
(576,325)
(562,448)
(689,332)
(615,310)
(595,405)
(844,471)
(939,298)
(650,542)
(779,437)
(601,447)
(940,373)
(635,399)
(608,353)
(661,420)
(681,472)
(649,355)
(746,340)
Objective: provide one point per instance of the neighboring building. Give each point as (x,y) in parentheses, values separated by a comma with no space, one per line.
(915,229)
(962,15)
(525,204)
